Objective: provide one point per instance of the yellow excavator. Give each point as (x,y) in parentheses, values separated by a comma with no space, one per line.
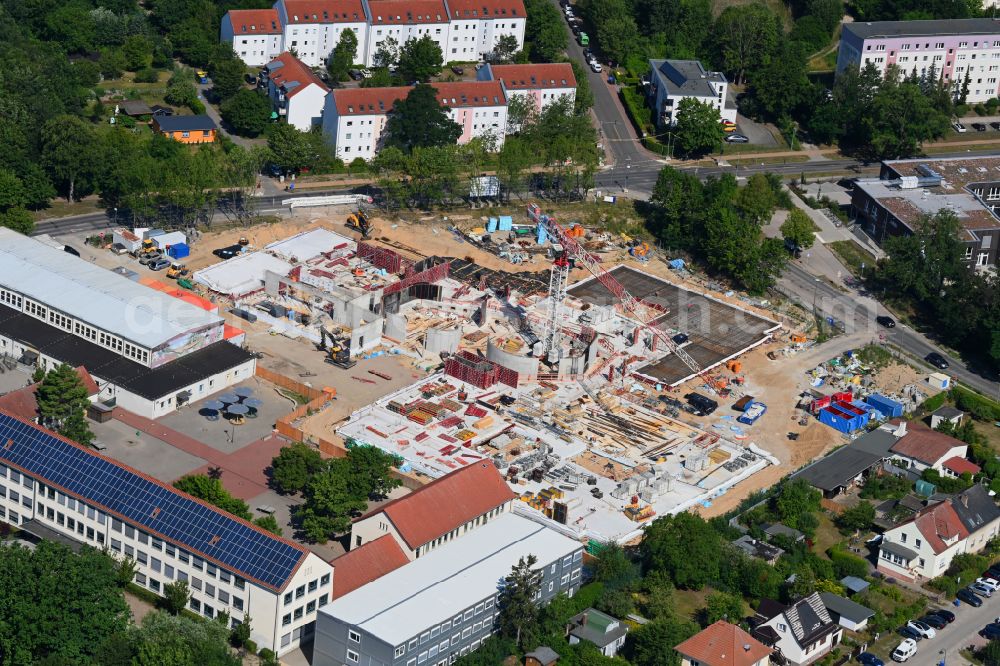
(177,270)
(338,352)
(359,222)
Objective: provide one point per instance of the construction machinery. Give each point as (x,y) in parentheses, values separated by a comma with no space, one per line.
(338,351)
(646,313)
(359,222)
(244,241)
(177,270)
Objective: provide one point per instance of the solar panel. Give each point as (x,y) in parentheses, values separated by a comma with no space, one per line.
(247,551)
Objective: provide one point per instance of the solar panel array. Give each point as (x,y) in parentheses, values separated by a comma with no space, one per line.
(246,551)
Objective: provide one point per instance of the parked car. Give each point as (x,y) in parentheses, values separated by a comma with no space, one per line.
(989,582)
(457,69)
(944,614)
(937,361)
(737,138)
(355,74)
(888,322)
(228,252)
(728,126)
(159,264)
(935,621)
(146,259)
(366,73)
(868,659)
(969,597)
(923,629)
(680,338)
(904,650)
(990,631)
(595,66)
(982,590)
(995,125)
(979,127)
(959,127)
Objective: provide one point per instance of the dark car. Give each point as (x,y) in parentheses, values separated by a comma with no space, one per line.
(458,70)
(979,127)
(888,322)
(910,632)
(944,614)
(228,252)
(868,659)
(995,125)
(355,74)
(990,631)
(935,621)
(72,250)
(993,572)
(680,338)
(969,597)
(701,403)
(737,138)
(937,361)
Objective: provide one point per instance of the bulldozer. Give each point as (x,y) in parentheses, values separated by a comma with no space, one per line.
(359,222)
(338,352)
(177,270)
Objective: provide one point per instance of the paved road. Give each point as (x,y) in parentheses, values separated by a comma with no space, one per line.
(957,636)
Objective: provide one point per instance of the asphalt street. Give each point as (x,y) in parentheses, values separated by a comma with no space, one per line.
(957,636)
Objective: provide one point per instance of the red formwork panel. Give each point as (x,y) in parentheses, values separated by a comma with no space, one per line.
(381,257)
(429,276)
(479,371)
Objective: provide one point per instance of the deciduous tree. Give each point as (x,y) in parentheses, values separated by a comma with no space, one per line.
(176,596)
(343,55)
(213,492)
(247,112)
(69,152)
(420,59)
(504,50)
(419,121)
(294,466)
(545,32)
(798,228)
(227,72)
(746,35)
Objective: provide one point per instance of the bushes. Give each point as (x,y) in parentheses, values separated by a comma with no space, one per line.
(655,146)
(147,75)
(982,409)
(846,564)
(935,402)
(640,114)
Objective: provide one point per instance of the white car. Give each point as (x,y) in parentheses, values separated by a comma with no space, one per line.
(982,589)
(904,650)
(991,583)
(596,66)
(921,629)
(959,127)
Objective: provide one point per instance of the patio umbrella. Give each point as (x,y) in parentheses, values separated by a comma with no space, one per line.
(238,410)
(229,397)
(213,404)
(243,391)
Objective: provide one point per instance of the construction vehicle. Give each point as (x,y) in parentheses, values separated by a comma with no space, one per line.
(359,222)
(147,246)
(244,241)
(338,352)
(177,270)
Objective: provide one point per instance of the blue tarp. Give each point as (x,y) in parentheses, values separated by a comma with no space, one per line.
(888,407)
(543,234)
(839,419)
(676,264)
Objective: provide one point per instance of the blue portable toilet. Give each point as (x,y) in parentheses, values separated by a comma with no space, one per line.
(179,250)
(491,225)
(543,234)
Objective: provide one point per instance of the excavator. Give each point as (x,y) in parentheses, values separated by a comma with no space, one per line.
(359,222)
(338,352)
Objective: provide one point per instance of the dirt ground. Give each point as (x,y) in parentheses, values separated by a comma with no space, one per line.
(892,378)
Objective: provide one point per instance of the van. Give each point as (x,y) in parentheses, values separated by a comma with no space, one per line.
(702,403)
(904,650)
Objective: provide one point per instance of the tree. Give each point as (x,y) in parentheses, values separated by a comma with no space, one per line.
(329,502)
(181,91)
(613,565)
(504,50)
(294,467)
(343,55)
(781,87)
(653,643)
(269,523)
(138,51)
(125,571)
(247,112)
(699,128)
(795,500)
(12,194)
(289,148)
(213,492)
(386,54)
(545,32)
(756,200)
(420,59)
(17,219)
(584,99)
(369,469)
(176,640)
(57,604)
(62,403)
(722,606)
(614,25)
(176,596)
(685,548)
(747,36)
(419,121)
(678,199)
(240,634)
(227,72)
(518,616)
(69,152)
(798,229)
(857,518)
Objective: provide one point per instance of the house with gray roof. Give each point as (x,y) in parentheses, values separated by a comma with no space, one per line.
(800,633)
(849,465)
(672,81)
(593,626)
(849,614)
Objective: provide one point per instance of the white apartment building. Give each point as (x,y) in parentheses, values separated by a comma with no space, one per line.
(464,30)
(49,484)
(296,93)
(672,81)
(255,34)
(354,119)
(543,84)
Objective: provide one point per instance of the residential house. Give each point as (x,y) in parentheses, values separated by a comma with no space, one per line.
(924,546)
(542,84)
(784,531)
(801,633)
(723,644)
(354,119)
(672,81)
(849,614)
(296,93)
(543,655)
(403,20)
(922,448)
(850,465)
(959,51)
(443,605)
(957,466)
(476,28)
(593,626)
(255,34)
(946,414)
(439,512)
(759,549)
(186,129)
(907,190)
(312,28)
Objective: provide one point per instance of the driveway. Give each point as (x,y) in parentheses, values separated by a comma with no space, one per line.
(213,112)
(758,133)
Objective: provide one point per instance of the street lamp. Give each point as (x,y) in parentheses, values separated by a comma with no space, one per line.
(116,215)
(628,165)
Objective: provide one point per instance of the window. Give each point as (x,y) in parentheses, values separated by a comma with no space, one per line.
(311,606)
(300,592)
(400,651)
(353,656)
(288,598)
(297,613)
(325,580)
(322,600)
(353,636)
(286,619)
(210,590)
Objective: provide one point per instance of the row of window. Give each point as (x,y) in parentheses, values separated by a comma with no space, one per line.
(10,298)
(937,45)
(309,588)
(302,611)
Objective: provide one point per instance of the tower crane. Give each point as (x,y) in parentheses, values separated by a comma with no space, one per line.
(644,312)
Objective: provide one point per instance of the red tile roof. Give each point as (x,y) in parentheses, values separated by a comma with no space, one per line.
(377,101)
(724,644)
(466,9)
(22,402)
(534,77)
(254,21)
(404,12)
(324,11)
(294,71)
(961,465)
(447,503)
(363,565)
(923,444)
(938,523)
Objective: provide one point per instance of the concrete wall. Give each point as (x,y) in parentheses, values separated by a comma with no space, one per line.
(437,340)
(523,365)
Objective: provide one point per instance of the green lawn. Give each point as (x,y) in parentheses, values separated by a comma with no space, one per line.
(827,535)
(63,208)
(853,256)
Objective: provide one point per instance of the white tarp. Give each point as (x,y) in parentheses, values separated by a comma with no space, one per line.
(241,275)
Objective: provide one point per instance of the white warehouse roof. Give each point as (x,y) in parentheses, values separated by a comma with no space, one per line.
(242,274)
(432,588)
(102,298)
(308,244)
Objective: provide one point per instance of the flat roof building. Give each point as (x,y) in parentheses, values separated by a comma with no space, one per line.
(444,603)
(50,484)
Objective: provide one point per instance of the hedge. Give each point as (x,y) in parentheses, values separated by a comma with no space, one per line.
(638,112)
(655,146)
(980,407)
